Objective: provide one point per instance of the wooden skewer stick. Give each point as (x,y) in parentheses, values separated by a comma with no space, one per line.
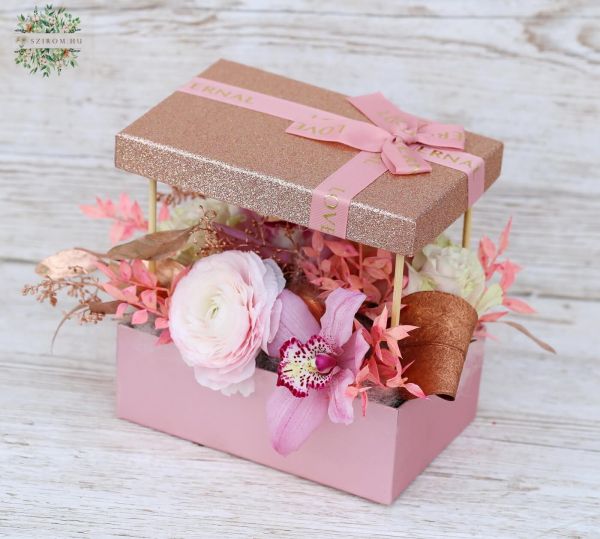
(466,236)
(397,294)
(152,216)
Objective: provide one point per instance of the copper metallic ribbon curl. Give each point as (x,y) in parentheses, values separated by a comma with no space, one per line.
(438,347)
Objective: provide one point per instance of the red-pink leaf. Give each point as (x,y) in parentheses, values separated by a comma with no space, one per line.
(354,282)
(487,247)
(372,292)
(415,390)
(117,232)
(161,323)
(129,228)
(504,237)
(163,308)
(92,211)
(140,317)
(124,204)
(113,291)
(344,269)
(405,367)
(310,269)
(164,338)
(317,242)
(137,216)
(342,248)
(509,272)
(376,273)
(399,332)
(125,271)
(309,251)
(121,309)
(130,293)
(380,323)
(492,317)
(388,358)
(108,208)
(518,306)
(363,373)
(382,253)
(352,391)
(376,262)
(142,275)
(329,284)
(374,371)
(106,270)
(491,269)
(148,298)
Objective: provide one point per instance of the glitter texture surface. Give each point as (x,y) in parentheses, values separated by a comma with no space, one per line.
(245,158)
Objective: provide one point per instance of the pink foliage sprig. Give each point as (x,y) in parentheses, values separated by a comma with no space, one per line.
(140,293)
(383,367)
(329,263)
(127,216)
(490,258)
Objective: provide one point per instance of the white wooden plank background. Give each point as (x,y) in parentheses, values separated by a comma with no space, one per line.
(524,72)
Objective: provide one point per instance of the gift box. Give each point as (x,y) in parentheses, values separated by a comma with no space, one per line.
(227,134)
(156,389)
(295,301)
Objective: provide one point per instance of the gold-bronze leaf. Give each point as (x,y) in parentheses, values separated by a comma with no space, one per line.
(154,246)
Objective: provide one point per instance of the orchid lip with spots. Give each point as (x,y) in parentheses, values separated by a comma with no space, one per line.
(306,366)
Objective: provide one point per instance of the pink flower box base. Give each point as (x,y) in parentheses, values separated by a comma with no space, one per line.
(155,388)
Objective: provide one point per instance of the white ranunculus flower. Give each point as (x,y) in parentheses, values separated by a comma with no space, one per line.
(419,259)
(417,282)
(222,313)
(451,269)
(190,212)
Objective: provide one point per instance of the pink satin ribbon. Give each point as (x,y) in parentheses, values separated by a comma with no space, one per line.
(395,141)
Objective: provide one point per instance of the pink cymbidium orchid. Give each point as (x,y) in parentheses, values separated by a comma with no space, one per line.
(319,361)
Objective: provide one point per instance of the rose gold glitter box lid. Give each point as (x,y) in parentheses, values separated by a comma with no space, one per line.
(245,158)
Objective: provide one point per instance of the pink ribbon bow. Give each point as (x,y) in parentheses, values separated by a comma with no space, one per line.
(393,135)
(396,141)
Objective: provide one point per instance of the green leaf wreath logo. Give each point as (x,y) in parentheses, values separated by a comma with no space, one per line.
(35,27)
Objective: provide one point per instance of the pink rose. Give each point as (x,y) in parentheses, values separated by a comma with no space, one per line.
(222,313)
